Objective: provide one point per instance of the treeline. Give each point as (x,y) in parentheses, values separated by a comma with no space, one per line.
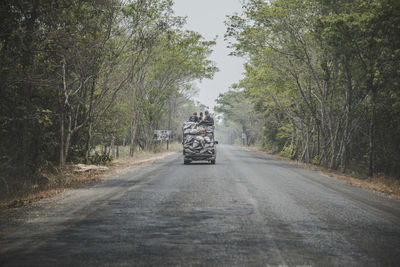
(80,73)
(323,78)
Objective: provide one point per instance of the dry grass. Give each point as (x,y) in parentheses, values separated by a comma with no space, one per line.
(69,178)
(388,186)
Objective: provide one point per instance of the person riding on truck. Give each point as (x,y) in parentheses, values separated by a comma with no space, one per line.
(208,118)
(194,117)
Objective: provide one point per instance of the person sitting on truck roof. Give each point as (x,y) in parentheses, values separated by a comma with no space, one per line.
(201,116)
(208,118)
(194,117)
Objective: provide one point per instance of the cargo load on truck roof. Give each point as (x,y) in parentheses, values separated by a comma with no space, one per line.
(198,141)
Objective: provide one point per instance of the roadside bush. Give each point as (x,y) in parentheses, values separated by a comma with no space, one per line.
(101,159)
(287,151)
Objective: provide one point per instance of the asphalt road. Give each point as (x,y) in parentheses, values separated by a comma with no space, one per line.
(247,210)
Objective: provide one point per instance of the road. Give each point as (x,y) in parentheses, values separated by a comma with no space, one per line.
(247,210)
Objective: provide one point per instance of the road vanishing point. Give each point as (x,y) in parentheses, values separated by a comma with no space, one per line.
(247,210)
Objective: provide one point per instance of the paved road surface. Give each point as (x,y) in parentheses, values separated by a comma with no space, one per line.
(247,210)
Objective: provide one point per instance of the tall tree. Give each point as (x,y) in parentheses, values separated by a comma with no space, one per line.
(316,67)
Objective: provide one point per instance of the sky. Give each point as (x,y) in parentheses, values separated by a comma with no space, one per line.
(207,18)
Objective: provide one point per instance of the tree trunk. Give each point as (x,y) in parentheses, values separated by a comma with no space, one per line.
(68,138)
(318,142)
(89,139)
(312,151)
(62,117)
(169,114)
(25,145)
(62,160)
(133,136)
(372,136)
(66,146)
(346,134)
(112,146)
(293,145)
(27,61)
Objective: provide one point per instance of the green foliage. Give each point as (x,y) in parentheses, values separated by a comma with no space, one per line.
(78,75)
(287,151)
(101,159)
(237,109)
(322,74)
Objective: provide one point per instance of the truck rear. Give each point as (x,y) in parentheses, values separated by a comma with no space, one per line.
(198,142)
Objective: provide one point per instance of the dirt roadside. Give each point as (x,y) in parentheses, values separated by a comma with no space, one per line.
(79,175)
(379,183)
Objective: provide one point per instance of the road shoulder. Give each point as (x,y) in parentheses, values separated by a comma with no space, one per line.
(75,178)
(387,186)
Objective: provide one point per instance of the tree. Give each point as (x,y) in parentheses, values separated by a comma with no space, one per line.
(237,108)
(76,74)
(314,70)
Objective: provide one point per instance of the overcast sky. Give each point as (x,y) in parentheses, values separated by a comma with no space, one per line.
(207,18)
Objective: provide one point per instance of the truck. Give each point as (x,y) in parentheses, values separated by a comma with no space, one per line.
(198,142)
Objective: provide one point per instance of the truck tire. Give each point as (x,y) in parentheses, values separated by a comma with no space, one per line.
(213,161)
